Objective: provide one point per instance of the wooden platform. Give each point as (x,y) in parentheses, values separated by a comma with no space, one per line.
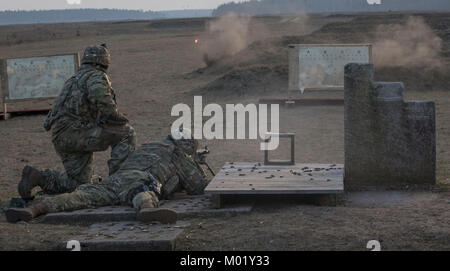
(258,179)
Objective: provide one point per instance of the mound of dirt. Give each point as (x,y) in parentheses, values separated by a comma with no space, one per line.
(260,53)
(259,79)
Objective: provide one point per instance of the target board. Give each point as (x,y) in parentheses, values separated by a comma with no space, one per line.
(35,78)
(321,67)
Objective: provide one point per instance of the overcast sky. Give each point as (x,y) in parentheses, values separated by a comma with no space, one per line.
(123,4)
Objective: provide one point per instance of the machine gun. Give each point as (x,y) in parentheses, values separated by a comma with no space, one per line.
(201,155)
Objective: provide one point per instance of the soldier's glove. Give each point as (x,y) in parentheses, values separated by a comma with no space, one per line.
(201,155)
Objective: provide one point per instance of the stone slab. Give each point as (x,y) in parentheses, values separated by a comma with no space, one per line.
(202,206)
(129,236)
(186,206)
(90,216)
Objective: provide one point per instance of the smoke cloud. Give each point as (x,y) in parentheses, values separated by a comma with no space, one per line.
(413,44)
(228,35)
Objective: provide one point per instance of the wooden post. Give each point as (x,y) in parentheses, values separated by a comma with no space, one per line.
(5,111)
(326,200)
(3,86)
(216,201)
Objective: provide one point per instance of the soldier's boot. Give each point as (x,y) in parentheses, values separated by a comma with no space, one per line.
(148,213)
(14,215)
(31,178)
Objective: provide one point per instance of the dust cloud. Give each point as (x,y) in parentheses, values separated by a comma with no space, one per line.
(297,24)
(231,34)
(413,44)
(228,35)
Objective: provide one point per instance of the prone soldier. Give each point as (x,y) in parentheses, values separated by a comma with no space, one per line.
(154,171)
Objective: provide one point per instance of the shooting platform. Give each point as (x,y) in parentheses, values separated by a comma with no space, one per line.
(260,179)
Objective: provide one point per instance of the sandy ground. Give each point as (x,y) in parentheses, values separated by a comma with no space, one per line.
(155,67)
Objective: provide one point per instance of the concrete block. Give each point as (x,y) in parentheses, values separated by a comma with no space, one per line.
(202,206)
(186,206)
(129,236)
(388,142)
(90,216)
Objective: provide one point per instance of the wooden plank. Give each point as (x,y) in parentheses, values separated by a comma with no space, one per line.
(293,70)
(299,183)
(216,201)
(276,192)
(257,178)
(274,180)
(30,100)
(5,110)
(279,168)
(28,110)
(4,87)
(256,186)
(262,166)
(4,79)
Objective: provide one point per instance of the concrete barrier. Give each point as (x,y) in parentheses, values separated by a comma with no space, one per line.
(388,142)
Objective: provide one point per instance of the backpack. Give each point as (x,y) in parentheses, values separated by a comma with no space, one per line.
(71,86)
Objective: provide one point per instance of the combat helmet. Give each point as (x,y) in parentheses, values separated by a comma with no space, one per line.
(97,55)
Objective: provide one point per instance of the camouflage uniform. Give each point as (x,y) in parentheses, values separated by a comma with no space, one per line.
(141,178)
(84,120)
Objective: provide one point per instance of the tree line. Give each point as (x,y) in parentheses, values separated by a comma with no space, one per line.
(75,15)
(266,7)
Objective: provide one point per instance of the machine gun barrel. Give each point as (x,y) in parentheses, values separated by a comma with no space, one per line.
(202,159)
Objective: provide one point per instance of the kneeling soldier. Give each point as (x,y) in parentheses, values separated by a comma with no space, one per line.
(85,119)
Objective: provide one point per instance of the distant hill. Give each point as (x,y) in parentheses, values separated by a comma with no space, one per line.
(266,7)
(88,15)
(187,13)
